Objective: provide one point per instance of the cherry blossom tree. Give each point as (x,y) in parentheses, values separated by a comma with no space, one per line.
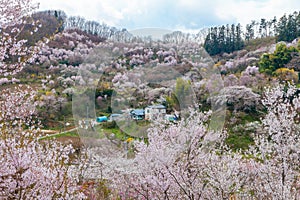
(183,161)
(238,98)
(230,80)
(186,161)
(29,168)
(13,51)
(276,175)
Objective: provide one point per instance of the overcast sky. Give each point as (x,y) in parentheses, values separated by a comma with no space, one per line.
(172,14)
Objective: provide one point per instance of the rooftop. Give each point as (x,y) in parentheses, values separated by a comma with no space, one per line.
(157,106)
(138,112)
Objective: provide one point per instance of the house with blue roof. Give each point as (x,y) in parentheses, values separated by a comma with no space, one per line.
(138,114)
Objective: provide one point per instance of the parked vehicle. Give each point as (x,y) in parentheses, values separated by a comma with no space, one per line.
(171,118)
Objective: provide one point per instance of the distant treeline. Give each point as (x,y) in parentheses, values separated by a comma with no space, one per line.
(219,39)
(64,22)
(229,38)
(224,39)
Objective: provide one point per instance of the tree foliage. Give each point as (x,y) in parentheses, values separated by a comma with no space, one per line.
(224,39)
(270,62)
(276,151)
(29,168)
(288,27)
(187,161)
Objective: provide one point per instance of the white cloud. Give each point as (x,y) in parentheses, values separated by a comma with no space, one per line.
(247,10)
(185,14)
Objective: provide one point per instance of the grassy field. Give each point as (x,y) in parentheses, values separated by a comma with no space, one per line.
(73,133)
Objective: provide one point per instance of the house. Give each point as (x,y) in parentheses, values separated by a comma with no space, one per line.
(155,111)
(137,114)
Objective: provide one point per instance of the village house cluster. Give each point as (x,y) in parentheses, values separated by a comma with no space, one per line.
(150,113)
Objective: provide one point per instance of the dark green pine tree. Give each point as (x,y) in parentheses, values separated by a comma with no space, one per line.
(215,41)
(298,24)
(56,14)
(222,39)
(239,43)
(263,28)
(291,29)
(232,38)
(281,29)
(228,39)
(288,27)
(273,26)
(249,35)
(208,43)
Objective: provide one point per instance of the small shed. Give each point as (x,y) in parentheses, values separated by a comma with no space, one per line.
(155,111)
(102,119)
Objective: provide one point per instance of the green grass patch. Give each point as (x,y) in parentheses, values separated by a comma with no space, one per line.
(123,130)
(241,140)
(136,129)
(57,135)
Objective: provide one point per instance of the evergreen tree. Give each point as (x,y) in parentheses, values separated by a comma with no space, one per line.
(249,35)
(208,42)
(288,27)
(221,39)
(281,29)
(224,39)
(298,24)
(263,28)
(291,29)
(273,26)
(239,44)
(232,38)
(227,45)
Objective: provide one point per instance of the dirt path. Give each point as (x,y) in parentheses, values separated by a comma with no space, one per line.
(49,131)
(55,133)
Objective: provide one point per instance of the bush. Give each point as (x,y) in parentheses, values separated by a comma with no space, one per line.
(109,125)
(269,63)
